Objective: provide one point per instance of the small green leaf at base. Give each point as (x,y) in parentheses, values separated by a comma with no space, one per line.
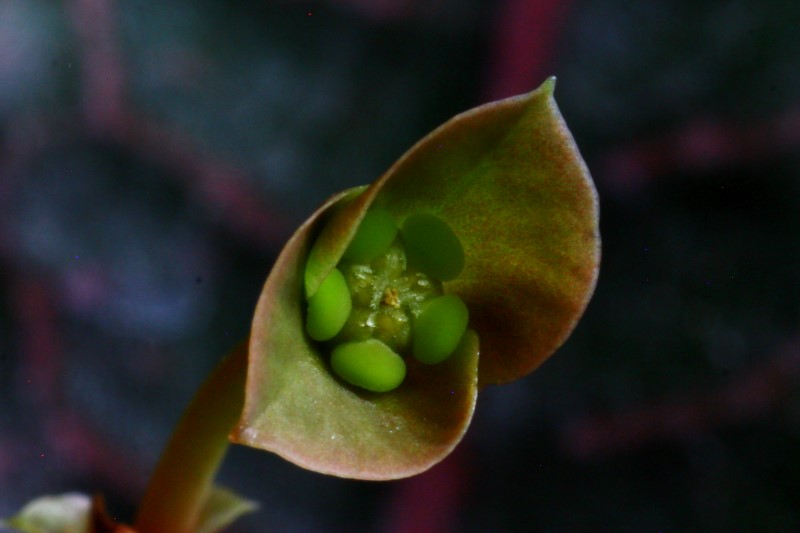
(66,513)
(220,510)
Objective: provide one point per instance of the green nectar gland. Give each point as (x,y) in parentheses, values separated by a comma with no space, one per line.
(368,364)
(391,307)
(329,307)
(373,237)
(438,328)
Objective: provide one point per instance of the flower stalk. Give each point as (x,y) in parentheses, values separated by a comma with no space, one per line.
(183,478)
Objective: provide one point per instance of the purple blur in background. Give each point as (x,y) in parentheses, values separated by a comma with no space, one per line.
(155,156)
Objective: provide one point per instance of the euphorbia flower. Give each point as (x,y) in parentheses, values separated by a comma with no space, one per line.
(509,181)
(498,210)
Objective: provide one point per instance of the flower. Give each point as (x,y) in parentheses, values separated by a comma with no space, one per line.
(508,179)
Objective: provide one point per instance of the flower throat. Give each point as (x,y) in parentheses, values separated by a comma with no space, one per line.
(385,300)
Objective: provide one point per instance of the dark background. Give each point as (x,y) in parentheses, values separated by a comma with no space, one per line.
(154,156)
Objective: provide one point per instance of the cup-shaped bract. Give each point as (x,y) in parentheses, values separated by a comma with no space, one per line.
(509,182)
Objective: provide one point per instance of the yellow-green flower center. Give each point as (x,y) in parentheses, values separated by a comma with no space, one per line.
(385,300)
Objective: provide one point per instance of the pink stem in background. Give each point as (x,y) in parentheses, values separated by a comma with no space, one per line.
(82,448)
(101,66)
(524,38)
(753,394)
(223,189)
(67,438)
(431,502)
(40,343)
(702,145)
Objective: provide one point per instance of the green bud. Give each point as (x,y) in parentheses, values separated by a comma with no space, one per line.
(438,328)
(432,247)
(369,364)
(373,236)
(328,308)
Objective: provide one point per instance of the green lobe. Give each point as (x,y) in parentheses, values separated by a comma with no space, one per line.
(369,364)
(438,328)
(65,513)
(432,247)
(329,308)
(373,237)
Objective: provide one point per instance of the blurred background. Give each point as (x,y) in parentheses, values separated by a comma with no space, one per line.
(155,156)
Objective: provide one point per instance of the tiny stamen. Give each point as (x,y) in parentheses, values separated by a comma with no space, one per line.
(391,297)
